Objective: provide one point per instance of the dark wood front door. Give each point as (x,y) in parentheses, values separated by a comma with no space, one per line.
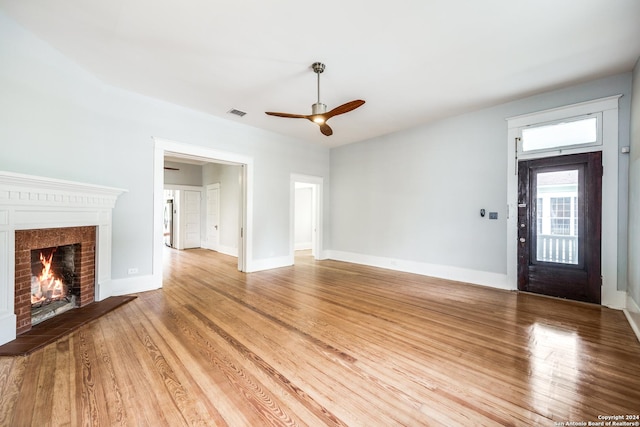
(559,226)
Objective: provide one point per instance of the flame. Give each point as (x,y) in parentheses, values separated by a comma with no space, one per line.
(46,286)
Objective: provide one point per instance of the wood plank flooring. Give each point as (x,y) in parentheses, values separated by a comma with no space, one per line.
(327,343)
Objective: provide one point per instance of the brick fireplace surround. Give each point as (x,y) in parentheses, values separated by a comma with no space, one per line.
(27,240)
(36,206)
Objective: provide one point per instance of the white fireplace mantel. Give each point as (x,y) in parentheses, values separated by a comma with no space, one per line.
(33,202)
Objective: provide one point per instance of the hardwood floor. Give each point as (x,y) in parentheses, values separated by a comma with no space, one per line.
(327,343)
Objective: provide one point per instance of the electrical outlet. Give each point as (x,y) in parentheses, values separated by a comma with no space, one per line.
(133,270)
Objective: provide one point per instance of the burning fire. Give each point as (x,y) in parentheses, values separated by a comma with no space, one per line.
(46,286)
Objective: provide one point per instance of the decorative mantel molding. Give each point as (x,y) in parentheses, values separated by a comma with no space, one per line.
(19,189)
(32,202)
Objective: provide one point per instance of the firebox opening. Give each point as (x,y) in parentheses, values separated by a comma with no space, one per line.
(53,281)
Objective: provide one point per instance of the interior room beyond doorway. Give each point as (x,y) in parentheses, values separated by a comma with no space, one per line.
(202,205)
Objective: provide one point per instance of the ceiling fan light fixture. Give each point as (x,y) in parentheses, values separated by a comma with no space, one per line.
(318,108)
(319,119)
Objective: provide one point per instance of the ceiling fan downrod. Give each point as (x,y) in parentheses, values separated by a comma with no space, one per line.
(318,107)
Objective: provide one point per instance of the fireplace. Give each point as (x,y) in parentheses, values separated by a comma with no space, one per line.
(38,214)
(53,279)
(54,272)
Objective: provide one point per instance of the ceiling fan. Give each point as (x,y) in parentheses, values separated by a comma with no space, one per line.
(319,113)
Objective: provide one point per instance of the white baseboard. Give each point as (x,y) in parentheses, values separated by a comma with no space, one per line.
(484,278)
(132,285)
(303,246)
(227,250)
(269,263)
(613,299)
(632,312)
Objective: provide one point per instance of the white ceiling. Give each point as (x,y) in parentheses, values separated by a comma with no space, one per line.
(413,61)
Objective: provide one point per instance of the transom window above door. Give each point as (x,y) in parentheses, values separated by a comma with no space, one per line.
(584,131)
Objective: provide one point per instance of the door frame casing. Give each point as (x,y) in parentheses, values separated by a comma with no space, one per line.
(611,296)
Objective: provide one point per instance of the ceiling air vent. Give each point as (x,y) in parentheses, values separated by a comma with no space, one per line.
(236,112)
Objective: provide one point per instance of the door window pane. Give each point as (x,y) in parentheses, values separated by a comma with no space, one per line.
(561,216)
(539,210)
(557,217)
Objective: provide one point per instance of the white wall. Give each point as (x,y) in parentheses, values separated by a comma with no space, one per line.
(56,120)
(634,202)
(411,200)
(186,174)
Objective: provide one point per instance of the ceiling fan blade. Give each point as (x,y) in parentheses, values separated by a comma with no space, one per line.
(326,130)
(344,108)
(291,116)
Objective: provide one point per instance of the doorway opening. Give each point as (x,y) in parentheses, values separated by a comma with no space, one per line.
(190,155)
(306,216)
(543,134)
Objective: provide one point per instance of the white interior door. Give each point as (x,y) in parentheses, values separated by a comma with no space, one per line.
(191,218)
(212,233)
